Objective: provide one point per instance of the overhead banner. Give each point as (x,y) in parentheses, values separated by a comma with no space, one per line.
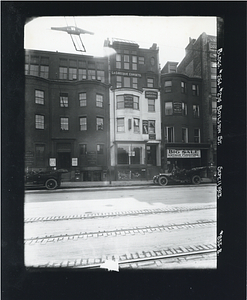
(173,153)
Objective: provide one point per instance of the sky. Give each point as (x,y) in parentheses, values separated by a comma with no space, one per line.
(171,34)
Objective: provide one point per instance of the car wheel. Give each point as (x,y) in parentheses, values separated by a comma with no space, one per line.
(155,181)
(51,184)
(196,179)
(163,180)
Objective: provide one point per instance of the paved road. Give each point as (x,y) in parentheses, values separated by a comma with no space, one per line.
(103,224)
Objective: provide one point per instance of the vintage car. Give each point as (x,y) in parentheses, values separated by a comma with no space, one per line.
(194,175)
(50,179)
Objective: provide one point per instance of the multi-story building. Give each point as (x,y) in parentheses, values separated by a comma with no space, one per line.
(67,113)
(200,61)
(135,136)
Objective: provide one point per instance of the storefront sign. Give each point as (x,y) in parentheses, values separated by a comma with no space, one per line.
(74,162)
(126,74)
(177,108)
(173,153)
(151,95)
(91,158)
(52,162)
(145,126)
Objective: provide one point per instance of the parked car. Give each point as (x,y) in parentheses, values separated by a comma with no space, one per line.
(50,179)
(194,175)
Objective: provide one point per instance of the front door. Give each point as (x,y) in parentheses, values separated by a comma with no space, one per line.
(64,160)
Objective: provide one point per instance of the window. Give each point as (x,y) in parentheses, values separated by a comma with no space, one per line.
(82,64)
(127,101)
(136,102)
(213,87)
(118,61)
(72,73)
(141,60)
(83,149)
(136,125)
(26,69)
(134,62)
(91,74)
(83,123)
(151,105)
(82,74)
(184,109)
(120,102)
(168,108)
(126,81)
(83,99)
(184,135)
(197,135)
(40,155)
(120,125)
(64,100)
(34,70)
(63,73)
(64,123)
(150,82)
(213,70)
(101,75)
(151,126)
(100,149)
(129,154)
(99,123)
(39,97)
(170,134)
(183,87)
(119,81)
(196,113)
(44,71)
(168,86)
(195,90)
(134,83)
(126,62)
(39,122)
(99,100)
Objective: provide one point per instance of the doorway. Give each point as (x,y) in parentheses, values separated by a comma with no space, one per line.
(64,160)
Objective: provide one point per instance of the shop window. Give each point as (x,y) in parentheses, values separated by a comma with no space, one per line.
(99,100)
(197,137)
(44,71)
(72,73)
(39,97)
(40,155)
(39,122)
(82,74)
(83,99)
(168,86)
(99,123)
(126,81)
(168,108)
(136,125)
(83,123)
(63,73)
(195,89)
(150,82)
(196,112)
(118,61)
(151,126)
(141,60)
(134,62)
(134,83)
(119,81)
(83,149)
(64,123)
(100,149)
(170,134)
(129,154)
(151,105)
(184,135)
(120,125)
(183,87)
(64,100)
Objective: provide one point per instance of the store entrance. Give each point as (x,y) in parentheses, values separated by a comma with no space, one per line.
(64,160)
(151,155)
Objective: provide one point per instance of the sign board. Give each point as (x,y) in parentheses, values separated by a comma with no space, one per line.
(74,162)
(173,153)
(129,74)
(29,158)
(91,158)
(52,162)
(151,94)
(177,108)
(152,136)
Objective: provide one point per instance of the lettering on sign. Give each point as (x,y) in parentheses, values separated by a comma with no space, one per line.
(126,74)
(173,153)
(151,95)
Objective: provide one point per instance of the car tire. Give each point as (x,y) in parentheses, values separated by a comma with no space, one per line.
(196,179)
(155,181)
(51,184)
(163,180)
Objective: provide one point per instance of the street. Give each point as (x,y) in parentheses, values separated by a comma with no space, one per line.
(76,228)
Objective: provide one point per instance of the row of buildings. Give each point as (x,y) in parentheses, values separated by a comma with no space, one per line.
(120,117)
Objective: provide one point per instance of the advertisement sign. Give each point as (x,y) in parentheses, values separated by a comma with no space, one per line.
(130,74)
(151,95)
(152,136)
(74,162)
(173,153)
(177,108)
(128,101)
(52,162)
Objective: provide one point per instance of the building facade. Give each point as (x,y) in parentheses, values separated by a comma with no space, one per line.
(67,113)
(200,61)
(135,136)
